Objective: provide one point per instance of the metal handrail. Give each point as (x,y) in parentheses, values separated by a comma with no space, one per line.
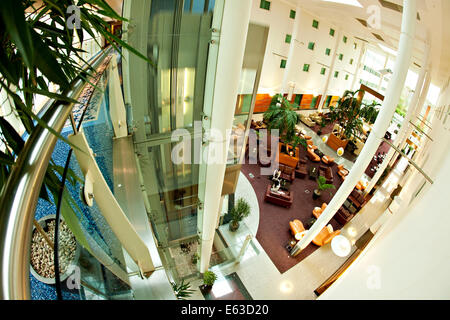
(20,194)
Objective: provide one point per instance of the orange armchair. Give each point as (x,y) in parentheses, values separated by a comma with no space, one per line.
(311,145)
(312,156)
(317,211)
(327,160)
(325,236)
(342,172)
(296,226)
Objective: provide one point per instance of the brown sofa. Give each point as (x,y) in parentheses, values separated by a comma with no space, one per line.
(302,170)
(287,173)
(327,173)
(284,199)
(312,155)
(343,216)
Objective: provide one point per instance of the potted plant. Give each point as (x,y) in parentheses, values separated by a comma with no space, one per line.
(182,290)
(347,114)
(370,112)
(194,258)
(281,115)
(240,211)
(321,186)
(209,278)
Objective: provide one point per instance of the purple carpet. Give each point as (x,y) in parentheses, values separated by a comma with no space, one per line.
(273,231)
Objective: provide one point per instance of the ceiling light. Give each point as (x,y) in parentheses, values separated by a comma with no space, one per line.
(388,50)
(347,2)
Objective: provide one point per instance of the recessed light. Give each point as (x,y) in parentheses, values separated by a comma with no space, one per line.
(347,2)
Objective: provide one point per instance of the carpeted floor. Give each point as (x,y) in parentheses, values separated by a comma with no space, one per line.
(273,231)
(383,148)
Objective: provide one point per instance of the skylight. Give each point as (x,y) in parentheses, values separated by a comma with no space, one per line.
(347,2)
(388,50)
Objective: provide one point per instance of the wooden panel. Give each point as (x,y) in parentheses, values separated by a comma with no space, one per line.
(262,103)
(306,101)
(334,100)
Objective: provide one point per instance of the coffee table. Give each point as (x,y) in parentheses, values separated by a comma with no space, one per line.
(313,172)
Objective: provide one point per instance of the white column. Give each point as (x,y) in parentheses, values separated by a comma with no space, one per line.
(290,59)
(330,71)
(358,66)
(117,106)
(401,136)
(384,118)
(233,36)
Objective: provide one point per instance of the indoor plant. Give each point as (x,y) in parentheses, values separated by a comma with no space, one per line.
(209,278)
(282,116)
(182,290)
(240,211)
(347,114)
(321,186)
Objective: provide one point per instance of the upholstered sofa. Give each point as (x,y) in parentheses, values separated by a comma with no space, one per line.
(281,198)
(342,172)
(296,226)
(312,155)
(327,160)
(317,211)
(343,216)
(287,173)
(359,146)
(302,170)
(306,120)
(327,173)
(325,236)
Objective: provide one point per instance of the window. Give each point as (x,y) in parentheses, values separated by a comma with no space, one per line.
(264,4)
(328,52)
(292,14)
(306,67)
(346,77)
(332,32)
(288,38)
(344,39)
(351,61)
(283,64)
(311,45)
(315,24)
(355,45)
(322,71)
(336,74)
(341,56)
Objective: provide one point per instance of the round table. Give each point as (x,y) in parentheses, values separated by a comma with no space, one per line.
(341,246)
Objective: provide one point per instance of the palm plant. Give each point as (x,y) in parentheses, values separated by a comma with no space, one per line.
(39,47)
(370,112)
(281,115)
(347,114)
(321,186)
(209,278)
(182,290)
(240,211)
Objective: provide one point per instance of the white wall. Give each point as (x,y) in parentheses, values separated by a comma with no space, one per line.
(312,82)
(409,257)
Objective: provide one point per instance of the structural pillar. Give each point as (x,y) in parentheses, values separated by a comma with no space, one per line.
(379,129)
(401,136)
(231,48)
(330,72)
